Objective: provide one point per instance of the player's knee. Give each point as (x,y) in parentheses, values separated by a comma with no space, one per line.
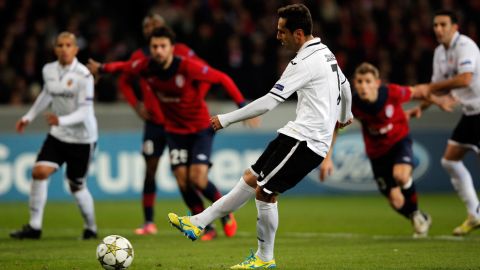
(250,178)
(40,172)
(401,178)
(75,184)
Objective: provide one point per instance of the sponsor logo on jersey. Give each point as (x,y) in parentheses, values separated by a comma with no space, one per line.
(69,83)
(352,167)
(62,94)
(279,87)
(180,80)
(330,57)
(389,110)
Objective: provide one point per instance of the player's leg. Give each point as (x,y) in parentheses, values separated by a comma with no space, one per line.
(154,143)
(287,166)
(465,137)
(48,161)
(78,161)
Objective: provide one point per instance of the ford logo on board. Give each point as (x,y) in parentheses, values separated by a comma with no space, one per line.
(352,167)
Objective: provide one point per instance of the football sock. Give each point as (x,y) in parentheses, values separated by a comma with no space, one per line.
(230,202)
(267,224)
(463,184)
(192,200)
(148,201)
(38,199)
(410,204)
(211,192)
(85,204)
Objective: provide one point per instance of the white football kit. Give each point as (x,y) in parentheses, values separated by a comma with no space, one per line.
(463,55)
(70,91)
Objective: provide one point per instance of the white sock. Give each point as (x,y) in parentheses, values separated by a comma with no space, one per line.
(85,203)
(38,199)
(267,224)
(463,184)
(236,198)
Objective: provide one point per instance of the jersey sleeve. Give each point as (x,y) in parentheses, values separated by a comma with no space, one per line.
(293,78)
(466,58)
(399,93)
(41,103)
(204,73)
(436,75)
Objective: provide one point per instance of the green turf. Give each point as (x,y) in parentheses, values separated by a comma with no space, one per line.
(314,233)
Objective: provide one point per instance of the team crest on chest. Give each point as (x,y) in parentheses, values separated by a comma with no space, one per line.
(179,80)
(389,110)
(69,83)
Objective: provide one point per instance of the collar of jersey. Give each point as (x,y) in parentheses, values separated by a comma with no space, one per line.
(454,40)
(68,67)
(308,43)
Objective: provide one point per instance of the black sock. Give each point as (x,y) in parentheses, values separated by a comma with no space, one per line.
(410,205)
(192,200)
(211,192)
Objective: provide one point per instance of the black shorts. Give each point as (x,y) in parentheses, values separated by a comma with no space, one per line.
(154,140)
(284,163)
(77,156)
(382,167)
(187,149)
(467,132)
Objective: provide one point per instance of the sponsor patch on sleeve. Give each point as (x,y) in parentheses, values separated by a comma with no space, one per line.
(466,62)
(279,87)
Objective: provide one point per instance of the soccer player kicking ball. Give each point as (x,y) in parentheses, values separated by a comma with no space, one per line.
(73,134)
(387,141)
(323,98)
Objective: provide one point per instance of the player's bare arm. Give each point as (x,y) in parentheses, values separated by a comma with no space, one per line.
(94,66)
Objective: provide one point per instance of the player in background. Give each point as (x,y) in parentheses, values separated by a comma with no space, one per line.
(148,109)
(323,98)
(173,81)
(456,71)
(387,142)
(68,89)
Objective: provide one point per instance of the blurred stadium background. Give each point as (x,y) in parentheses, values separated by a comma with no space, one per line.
(395,35)
(237,37)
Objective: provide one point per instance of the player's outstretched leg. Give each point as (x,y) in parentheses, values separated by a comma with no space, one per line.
(184,225)
(254,262)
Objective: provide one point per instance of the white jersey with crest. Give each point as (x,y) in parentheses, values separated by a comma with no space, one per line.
(315,76)
(69,90)
(463,55)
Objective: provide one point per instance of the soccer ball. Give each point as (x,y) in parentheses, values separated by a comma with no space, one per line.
(115,253)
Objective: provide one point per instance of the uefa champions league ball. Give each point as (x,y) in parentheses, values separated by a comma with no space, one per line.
(115,253)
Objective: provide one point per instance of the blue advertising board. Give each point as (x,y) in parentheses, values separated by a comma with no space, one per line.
(117,170)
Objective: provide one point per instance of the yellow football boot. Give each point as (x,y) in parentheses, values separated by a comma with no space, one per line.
(254,262)
(184,225)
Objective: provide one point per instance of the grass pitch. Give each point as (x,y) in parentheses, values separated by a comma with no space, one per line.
(342,232)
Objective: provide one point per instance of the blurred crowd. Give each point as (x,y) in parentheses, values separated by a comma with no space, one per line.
(235,36)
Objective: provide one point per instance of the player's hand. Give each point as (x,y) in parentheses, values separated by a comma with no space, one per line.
(94,66)
(253,122)
(415,112)
(142,112)
(342,125)
(52,119)
(326,169)
(215,123)
(21,124)
(421,90)
(446,102)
